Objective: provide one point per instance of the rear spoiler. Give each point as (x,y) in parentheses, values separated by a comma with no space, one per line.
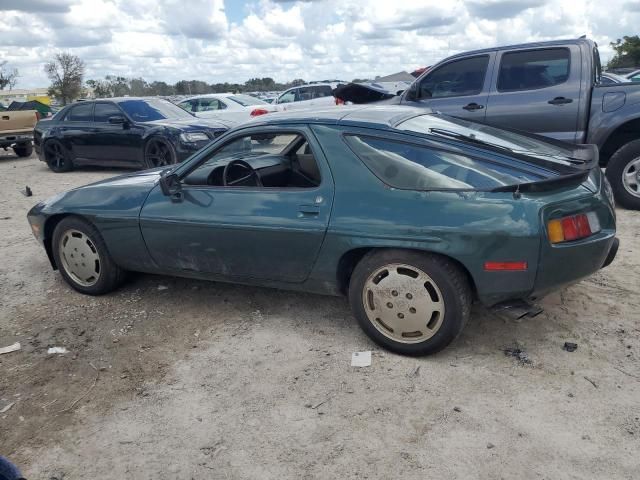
(583,159)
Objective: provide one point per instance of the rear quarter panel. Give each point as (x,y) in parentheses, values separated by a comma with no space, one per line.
(612,106)
(469,227)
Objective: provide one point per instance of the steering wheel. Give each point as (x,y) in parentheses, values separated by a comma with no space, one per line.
(246,166)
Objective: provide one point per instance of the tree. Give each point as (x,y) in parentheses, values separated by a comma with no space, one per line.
(627,52)
(65,72)
(8,77)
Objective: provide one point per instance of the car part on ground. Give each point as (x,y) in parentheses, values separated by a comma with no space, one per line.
(122,132)
(411,215)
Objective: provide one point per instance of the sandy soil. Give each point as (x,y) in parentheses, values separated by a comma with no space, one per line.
(204,380)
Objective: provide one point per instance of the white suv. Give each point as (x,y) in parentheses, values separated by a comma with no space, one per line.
(306,96)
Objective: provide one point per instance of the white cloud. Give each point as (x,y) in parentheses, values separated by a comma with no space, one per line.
(176,39)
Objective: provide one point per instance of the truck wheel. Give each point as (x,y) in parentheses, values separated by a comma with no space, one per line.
(409,302)
(623,172)
(57,157)
(23,149)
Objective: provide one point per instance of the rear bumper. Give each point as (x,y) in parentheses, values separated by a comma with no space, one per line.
(12,139)
(613,251)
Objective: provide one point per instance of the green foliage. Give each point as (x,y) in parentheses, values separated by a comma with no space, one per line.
(65,72)
(627,52)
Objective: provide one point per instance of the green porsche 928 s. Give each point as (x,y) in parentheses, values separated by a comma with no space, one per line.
(412,215)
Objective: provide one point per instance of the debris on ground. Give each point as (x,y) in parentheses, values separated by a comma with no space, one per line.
(415,372)
(457,409)
(517,353)
(570,347)
(27,191)
(60,350)
(163,287)
(490,445)
(11,348)
(6,408)
(591,381)
(361,359)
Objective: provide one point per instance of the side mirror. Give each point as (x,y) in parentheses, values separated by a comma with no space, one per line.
(170,185)
(117,119)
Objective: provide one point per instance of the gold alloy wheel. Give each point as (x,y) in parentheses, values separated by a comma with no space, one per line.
(403,303)
(80,258)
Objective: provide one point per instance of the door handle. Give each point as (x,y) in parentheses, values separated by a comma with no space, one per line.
(473,106)
(308,211)
(560,101)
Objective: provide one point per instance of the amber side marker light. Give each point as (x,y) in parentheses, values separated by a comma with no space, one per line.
(574,227)
(505,266)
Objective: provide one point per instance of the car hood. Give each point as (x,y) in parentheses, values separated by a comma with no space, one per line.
(194,124)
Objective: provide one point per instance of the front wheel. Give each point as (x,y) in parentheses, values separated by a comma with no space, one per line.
(623,173)
(410,302)
(82,257)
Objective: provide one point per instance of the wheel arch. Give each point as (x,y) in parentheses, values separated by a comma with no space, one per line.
(621,135)
(350,259)
(50,225)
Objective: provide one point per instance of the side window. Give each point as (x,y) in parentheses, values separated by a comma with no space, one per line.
(455,79)
(209,104)
(305,93)
(288,97)
(188,105)
(322,91)
(533,69)
(413,167)
(80,113)
(103,111)
(278,160)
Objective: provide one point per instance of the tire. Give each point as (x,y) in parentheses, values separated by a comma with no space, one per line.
(23,149)
(74,236)
(415,282)
(57,157)
(625,162)
(159,153)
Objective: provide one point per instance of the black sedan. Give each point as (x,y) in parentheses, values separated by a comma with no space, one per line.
(123,132)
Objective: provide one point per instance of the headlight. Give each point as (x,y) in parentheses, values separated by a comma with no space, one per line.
(193,137)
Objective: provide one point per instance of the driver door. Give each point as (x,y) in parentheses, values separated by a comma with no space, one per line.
(459,88)
(271,233)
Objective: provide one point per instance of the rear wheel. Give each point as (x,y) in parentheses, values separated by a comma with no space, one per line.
(409,302)
(82,257)
(623,172)
(159,153)
(57,157)
(23,149)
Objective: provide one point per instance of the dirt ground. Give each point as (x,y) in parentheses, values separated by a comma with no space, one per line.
(211,381)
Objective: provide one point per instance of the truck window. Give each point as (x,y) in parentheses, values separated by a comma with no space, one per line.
(533,69)
(455,79)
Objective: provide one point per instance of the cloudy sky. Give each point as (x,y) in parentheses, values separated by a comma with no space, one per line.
(234,40)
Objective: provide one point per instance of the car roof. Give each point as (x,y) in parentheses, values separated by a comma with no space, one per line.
(381,116)
(211,95)
(551,43)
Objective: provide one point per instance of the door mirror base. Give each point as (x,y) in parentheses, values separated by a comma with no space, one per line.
(171,186)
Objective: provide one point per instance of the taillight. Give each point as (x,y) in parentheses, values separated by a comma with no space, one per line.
(256,112)
(339,101)
(574,227)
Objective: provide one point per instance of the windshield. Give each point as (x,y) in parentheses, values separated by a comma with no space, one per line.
(152,109)
(246,100)
(478,133)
